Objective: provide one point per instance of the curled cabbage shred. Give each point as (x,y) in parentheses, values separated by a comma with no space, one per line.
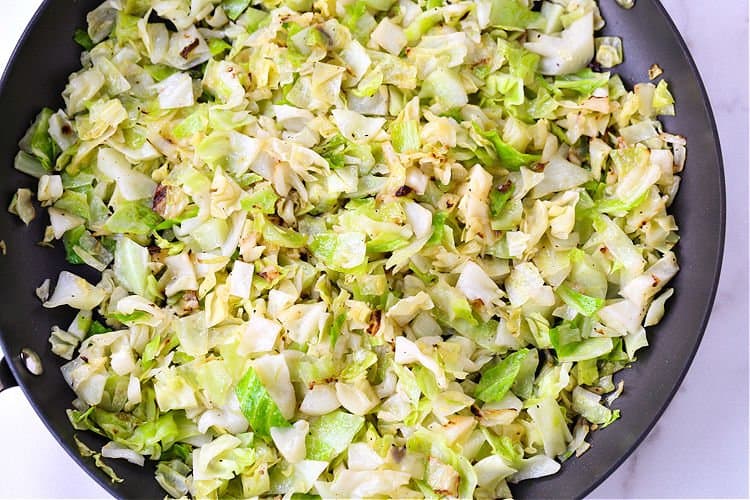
(352,249)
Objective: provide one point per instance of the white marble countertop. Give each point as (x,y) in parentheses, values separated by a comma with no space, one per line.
(692,452)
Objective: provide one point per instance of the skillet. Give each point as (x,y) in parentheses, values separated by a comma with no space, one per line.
(37,73)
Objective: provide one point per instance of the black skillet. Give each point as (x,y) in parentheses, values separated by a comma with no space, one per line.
(37,74)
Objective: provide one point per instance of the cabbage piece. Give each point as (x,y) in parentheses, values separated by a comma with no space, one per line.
(320,400)
(115,81)
(389,36)
(62,222)
(475,284)
(234,8)
(173,477)
(357,60)
(241,279)
(228,417)
(608,51)
(491,470)
(419,218)
(623,316)
(642,288)
(173,391)
(63,343)
(231,149)
(355,126)
(82,248)
(663,102)
(445,87)
(221,78)
(587,404)
(21,205)
(325,84)
(406,309)
(303,322)
(498,379)
(100,21)
(192,332)
(115,450)
(572,348)
(273,372)
(28,164)
(364,484)
(74,291)
(134,217)
(535,466)
(405,136)
(434,445)
(260,335)
(81,88)
(175,91)
(256,404)
(290,441)
(512,14)
(551,424)
(340,251)
(38,141)
(509,86)
(618,243)
(509,157)
(103,119)
(74,203)
(331,434)
(584,304)
(357,397)
(303,477)
(410,352)
(49,190)
(474,205)
(421,25)
(131,184)
(222,458)
(132,270)
(187,48)
(450,49)
(442,477)
(182,274)
(568,52)
(584,82)
(656,309)
(361,456)
(525,283)
(560,175)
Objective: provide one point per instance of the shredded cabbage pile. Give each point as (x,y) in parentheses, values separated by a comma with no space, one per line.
(375,248)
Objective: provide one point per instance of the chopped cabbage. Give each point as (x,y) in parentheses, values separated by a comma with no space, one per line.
(352,249)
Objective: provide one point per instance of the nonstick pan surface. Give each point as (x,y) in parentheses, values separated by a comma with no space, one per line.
(36,75)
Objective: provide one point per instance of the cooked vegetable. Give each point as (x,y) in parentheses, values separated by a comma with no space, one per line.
(352,249)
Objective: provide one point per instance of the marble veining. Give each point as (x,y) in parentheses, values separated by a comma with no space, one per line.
(697,449)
